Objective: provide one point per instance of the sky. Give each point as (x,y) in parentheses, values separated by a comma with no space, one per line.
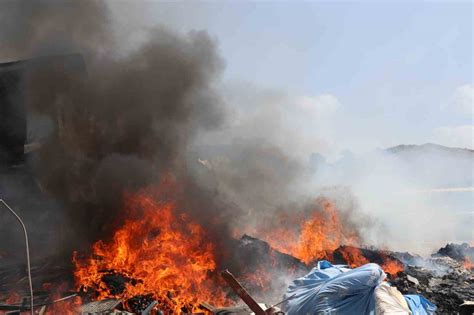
(355,75)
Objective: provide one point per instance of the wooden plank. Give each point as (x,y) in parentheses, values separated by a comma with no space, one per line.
(242,293)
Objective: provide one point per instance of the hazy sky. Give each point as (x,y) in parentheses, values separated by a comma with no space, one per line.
(352,75)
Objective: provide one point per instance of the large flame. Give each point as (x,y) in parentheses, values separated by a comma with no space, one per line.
(311,237)
(163,253)
(317,236)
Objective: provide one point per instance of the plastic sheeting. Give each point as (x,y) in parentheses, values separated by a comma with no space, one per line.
(334,289)
(419,305)
(389,301)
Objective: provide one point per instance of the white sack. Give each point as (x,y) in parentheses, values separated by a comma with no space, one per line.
(389,301)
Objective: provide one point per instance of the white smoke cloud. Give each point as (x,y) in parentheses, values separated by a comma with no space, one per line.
(298,124)
(323,106)
(316,119)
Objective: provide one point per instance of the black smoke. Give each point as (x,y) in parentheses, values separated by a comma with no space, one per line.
(124,119)
(121,123)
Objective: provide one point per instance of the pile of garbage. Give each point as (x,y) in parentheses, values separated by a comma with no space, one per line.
(441,283)
(462,252)
(444,278)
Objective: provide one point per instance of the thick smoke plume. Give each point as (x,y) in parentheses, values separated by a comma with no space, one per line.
(125,121)
(122,119)
(32,28)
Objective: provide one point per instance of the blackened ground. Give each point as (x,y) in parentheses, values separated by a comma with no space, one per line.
(266,273)
(447,292)
(441,279)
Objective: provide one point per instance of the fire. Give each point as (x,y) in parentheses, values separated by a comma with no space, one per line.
(163,253)
(68,307)
(259,279)
(319,236)
(13,298)
(353,256)
(468,264)
(61,305)
(392,267)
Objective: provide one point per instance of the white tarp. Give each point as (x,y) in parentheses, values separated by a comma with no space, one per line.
(389,301)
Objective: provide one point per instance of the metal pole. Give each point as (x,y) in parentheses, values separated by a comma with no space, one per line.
(27,253)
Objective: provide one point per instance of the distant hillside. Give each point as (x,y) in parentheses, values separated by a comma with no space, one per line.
(437,164)
(424,166)
(429,147)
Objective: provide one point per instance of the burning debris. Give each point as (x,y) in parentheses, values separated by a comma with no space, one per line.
(127,289)
(462,253)
(161,256)
(446,281)
(107,176)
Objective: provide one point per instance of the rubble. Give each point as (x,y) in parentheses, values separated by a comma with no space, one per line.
(457,252)
(100,306)
(263,270)
(413,280)
(441,279)
(366,255)
(466,308)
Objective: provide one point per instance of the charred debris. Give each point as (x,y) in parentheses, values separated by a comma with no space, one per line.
(446,278)
(447,282)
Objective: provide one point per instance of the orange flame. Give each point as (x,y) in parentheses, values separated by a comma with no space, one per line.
(319,235)
(353,256)
(393,267)
(68,307)
(164,252)
(13,298)
(468,264)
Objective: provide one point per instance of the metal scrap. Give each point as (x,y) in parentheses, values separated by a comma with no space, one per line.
(98,307)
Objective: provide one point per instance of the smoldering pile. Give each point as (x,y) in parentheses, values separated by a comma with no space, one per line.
(446,278)
(445,281)
(120,122)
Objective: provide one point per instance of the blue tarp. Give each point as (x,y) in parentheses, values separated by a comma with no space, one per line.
(337,289)
(334,289)
(419,305)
